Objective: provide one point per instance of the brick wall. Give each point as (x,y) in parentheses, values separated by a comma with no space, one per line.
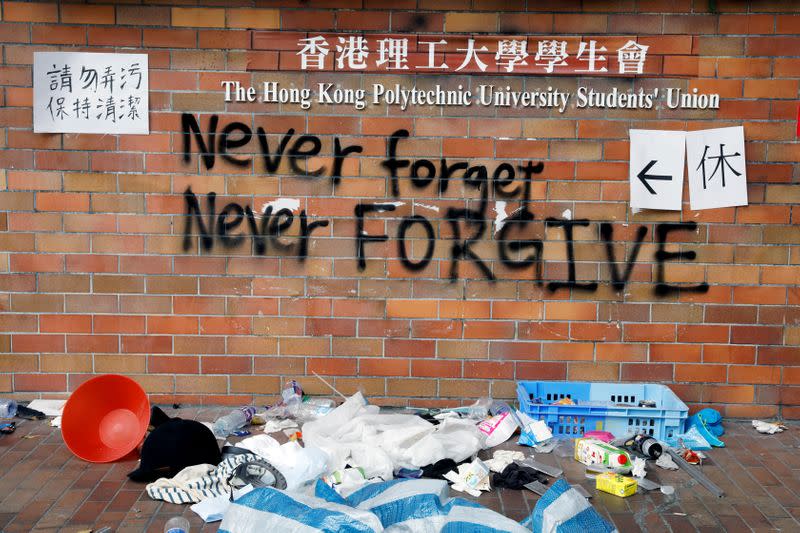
(95,277)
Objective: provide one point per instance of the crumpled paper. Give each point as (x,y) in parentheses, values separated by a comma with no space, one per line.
(471,478)
(665,461)
(639,468)
(502,458)
(768,428)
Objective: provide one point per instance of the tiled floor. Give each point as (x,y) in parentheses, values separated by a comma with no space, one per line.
(43,487)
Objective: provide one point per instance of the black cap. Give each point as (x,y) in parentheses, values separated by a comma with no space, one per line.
(173,446)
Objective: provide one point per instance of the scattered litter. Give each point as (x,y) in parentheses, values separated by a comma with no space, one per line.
(645,445)
(29,414)
(48,407)
(666,462)
(7,428)
(533,431)
(213,509)
(516,476)
(173,446)
(8,408)
(565,448)
(562,509)
(471,478)
(707,423)
(176,524)
(236,419)
(502,458)
(696,474)
(590,452)
(497,429)
(667,489)
(647,484)
(537,486)
(552,471)
(616,484)
(274,426)
(639,466)
(690,457)
(604,436)
(356,434)
(546,447)
(692,439)
(768,428)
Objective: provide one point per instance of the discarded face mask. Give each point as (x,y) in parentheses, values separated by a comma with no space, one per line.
(768,428)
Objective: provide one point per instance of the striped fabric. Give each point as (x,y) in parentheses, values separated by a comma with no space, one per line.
(198,482)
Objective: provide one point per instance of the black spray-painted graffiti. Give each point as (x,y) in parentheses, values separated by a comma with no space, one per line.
(467,224)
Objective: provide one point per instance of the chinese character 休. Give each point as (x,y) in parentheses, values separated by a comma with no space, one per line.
(722,162)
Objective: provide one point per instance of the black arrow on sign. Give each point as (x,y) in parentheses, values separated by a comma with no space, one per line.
(644,176)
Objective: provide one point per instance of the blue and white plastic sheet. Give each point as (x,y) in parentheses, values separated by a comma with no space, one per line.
(397,506)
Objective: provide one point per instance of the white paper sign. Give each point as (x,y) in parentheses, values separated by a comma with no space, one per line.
(717,175)
(77,92)
(656,169)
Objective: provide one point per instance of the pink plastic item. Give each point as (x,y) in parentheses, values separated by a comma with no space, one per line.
(604,436)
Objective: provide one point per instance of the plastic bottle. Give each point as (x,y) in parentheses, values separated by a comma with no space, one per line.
(176,524)
(236,419)
(8,408)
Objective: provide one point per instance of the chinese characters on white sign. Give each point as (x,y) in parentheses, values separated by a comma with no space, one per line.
(90,93)
(717,176)
(352,52)
(656,169)
(716,163)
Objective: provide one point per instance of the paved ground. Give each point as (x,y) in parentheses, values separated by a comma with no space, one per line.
(43,487)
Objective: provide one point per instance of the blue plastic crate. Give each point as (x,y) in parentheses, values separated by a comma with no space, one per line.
(597,409)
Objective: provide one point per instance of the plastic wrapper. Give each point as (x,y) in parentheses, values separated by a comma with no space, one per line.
(358,435)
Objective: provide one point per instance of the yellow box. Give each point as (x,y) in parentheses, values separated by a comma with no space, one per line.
(616,484)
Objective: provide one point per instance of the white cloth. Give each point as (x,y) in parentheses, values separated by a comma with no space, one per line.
(355,433)
(502,458)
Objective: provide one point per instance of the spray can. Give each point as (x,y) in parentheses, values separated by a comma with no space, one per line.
(647,446)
